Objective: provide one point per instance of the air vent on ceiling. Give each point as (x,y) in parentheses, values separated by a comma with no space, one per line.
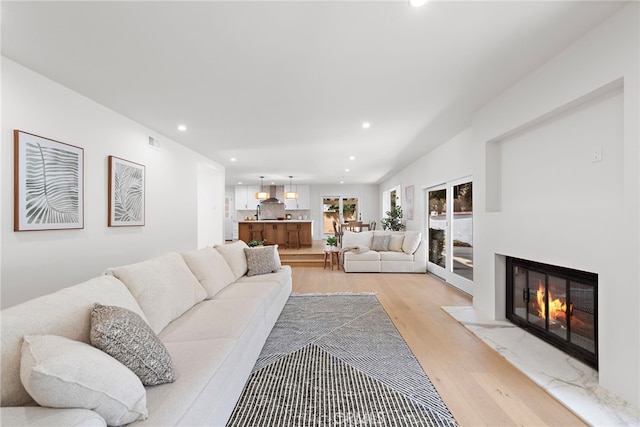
(153,143)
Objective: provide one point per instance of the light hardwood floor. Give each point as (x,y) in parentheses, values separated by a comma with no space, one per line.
(478,385)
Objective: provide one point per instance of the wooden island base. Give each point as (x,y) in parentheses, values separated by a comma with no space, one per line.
(274,232)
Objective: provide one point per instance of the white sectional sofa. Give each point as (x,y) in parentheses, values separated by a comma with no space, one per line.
(211,309)
(380,251)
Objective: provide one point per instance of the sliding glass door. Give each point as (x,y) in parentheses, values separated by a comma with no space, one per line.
(450,232)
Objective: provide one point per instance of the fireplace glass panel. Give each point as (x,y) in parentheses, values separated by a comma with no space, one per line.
(537,284)
(557,306)
(520,292)
(583,316)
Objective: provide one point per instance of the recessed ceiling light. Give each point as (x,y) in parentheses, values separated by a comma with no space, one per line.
(352,158)
(233,159)
(346,170)
(366,125)
(182,128)
(417,3)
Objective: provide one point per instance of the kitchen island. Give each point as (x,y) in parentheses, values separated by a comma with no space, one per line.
(280,232)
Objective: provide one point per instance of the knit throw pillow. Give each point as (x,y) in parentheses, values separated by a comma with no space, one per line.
(126,337)
(380,242)
(260,260)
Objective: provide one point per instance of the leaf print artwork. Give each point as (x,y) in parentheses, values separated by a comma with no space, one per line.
(52,185)
(49,184)
(126,193)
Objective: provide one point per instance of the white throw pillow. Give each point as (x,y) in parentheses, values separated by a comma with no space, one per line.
(395,243)
(62,373)
(411,241)
(210,268)
(163,286)
(362,239)
(233,253)
(276,254)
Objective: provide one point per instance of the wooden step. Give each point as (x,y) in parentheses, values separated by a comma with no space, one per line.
(302,259)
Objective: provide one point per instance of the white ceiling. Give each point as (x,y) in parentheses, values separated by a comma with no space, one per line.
(284,87)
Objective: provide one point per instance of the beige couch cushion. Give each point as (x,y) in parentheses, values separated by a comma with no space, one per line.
(50,417)
(362,239)
(395,256)
(163,286)
(54,312)
(282,276)
(365,256)
(215,319)
(411,241)
(233,253)
(396,241)
(62,373)
(210,268)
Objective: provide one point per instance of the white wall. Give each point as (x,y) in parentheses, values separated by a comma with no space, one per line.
(39,262)
(368,198)
(585,97)
(537,194)
(210,202)
(448,162)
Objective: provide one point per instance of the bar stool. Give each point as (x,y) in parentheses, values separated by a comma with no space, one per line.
(256,232)
(293,230)
(256,235)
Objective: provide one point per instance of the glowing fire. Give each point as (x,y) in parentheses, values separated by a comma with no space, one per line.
(557,308)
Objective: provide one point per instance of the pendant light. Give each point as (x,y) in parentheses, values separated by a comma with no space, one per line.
(262,195)
(290,195)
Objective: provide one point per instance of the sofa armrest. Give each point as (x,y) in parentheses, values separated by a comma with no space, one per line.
(49,417)
(420,257)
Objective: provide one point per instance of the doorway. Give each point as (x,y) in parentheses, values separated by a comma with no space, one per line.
(450,232)
(340,209)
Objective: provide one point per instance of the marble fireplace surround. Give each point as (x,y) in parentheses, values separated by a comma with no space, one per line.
(570,381)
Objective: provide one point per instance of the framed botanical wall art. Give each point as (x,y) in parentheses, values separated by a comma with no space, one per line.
(48,184)
(408,202)
(126,193)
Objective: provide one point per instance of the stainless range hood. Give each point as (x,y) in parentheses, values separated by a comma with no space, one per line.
(274,192)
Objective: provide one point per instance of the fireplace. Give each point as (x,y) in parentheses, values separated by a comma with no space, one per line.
(556,304)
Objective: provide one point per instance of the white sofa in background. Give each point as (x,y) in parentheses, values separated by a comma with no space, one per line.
(212,315)
(380,251)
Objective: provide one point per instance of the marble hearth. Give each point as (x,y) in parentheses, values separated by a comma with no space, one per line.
(570,381)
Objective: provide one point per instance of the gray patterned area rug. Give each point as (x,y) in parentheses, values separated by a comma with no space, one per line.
(338,360)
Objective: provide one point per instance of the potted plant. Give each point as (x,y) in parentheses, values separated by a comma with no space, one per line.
(393,220)
(254,243)
(332,242)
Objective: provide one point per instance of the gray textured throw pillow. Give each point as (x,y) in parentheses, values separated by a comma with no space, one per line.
(380,242)
(260,260)
(126,337)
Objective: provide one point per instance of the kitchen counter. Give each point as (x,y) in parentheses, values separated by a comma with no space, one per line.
(286,232)
(275,220)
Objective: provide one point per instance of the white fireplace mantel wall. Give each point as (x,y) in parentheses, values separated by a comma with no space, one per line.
(539,195)
(587,95)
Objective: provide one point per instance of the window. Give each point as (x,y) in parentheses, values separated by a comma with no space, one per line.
(391,198)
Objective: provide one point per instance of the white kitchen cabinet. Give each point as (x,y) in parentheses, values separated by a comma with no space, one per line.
(246,197)
(303,201)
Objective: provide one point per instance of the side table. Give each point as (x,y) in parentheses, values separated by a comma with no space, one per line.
(329,254)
